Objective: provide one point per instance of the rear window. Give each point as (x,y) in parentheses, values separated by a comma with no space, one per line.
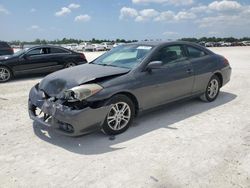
(4,45)
(195,52)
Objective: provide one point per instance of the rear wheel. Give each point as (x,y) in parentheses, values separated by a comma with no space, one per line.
(213,89)
(71,64)
(120,116)
(5,74)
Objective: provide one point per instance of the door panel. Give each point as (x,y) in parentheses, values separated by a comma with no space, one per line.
(201,63)
(36,61)
(164,85)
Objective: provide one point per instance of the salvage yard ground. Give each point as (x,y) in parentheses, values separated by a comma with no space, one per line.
(189,144)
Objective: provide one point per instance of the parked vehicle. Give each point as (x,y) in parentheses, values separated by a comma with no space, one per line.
(109,92)
(82,46)
(5,49)
(94,47)
(107,45)
(39,59)
(209,44)
(226,44)
(72,46)
(118,44)
(246,43)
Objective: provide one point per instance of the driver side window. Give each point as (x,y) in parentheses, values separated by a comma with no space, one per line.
(170,54)
(37,51)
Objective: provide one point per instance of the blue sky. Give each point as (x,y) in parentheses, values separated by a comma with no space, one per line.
(129,19)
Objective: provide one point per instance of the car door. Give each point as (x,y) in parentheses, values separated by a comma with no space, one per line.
(37,60)
(201,63)
(172,81)
(58,58)
(33,60)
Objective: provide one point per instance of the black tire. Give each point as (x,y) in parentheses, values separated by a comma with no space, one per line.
(69,64)
(6,70)
(119,99)
(206,96)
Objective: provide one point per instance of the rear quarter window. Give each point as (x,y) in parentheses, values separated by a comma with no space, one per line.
(195,52)
(4,45)
(57,51)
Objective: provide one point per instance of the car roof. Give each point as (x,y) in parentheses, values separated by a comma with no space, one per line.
(159,43)
(47,46)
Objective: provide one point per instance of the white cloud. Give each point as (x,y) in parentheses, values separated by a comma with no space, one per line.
(173,2)
(67,10)
(165,16)
(128,12)
(63,11)
(152,14)
(149,13)
(146,14)
(82,18)
(34,27)
(3,10)
(73,6)
(33,10)
(184,16)
(224,5)
(170,33)
(200,9)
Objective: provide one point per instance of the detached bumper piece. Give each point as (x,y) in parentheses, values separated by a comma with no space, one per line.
(62,118)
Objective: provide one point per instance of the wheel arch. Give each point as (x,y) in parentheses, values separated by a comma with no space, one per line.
(8,67)
(132,97)
(219,75)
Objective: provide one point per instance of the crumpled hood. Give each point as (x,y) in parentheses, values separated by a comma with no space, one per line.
(57,82)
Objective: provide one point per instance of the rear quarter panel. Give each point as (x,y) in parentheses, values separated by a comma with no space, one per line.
(204,68)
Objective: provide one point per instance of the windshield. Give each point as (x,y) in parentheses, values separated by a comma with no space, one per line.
(20,52)
(127,56)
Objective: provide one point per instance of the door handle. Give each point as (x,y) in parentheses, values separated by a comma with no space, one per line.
(189,71)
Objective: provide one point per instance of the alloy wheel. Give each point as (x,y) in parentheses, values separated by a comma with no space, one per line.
(213,88)
(119,116)
(4,74)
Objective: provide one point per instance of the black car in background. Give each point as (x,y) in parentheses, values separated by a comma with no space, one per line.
(39,59)
(5,49)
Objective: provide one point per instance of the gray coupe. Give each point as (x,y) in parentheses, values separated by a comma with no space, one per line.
(109,92)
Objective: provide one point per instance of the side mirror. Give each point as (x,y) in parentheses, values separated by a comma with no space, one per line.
(154,65)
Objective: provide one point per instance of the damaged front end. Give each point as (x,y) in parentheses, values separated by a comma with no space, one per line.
(68,112)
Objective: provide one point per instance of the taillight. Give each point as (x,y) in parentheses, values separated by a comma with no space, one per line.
(12,50)
(82,56)
(225,61)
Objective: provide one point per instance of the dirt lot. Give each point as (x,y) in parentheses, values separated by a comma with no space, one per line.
(191,144)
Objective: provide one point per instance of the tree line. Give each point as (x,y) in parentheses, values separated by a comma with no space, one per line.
(98,41)
(69,41)
(215,39)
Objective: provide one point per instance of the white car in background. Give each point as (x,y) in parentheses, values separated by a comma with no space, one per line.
(72,46)
(107,45)
(225,44)
(246,43)
(94,47)
(82,46)
(118,44)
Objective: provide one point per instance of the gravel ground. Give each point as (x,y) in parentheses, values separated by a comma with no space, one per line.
(189,144)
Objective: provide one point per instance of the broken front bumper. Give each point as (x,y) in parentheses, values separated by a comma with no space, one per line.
(63,118)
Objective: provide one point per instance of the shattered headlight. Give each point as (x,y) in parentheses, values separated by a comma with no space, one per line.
(82,92)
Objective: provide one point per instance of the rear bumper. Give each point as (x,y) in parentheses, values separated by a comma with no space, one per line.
(226,74)
(62,117)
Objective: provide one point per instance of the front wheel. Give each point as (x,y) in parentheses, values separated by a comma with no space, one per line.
(5,74)
(120,116)
(71,64)
(213,89)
